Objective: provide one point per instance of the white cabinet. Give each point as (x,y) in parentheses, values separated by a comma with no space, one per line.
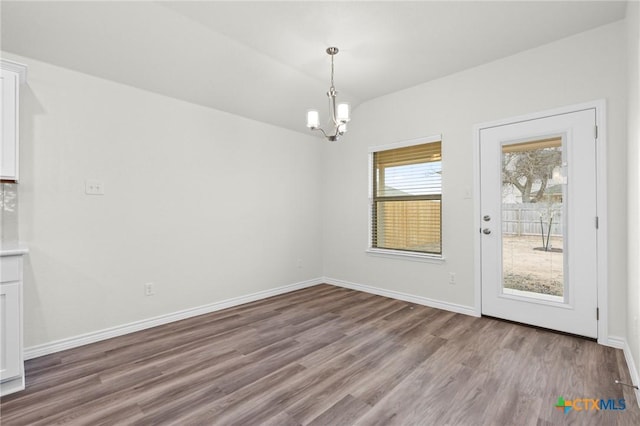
(10,317)
(11,351)
(12,75)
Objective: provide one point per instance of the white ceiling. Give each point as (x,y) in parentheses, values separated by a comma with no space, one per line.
(266,60)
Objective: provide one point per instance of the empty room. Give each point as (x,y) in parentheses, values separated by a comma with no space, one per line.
(327,213)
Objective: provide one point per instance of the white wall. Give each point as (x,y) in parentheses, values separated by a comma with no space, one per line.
(585,67)
(210,206)
(205,204)
(633,142)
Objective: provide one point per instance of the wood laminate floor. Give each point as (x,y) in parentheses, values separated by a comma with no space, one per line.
(325,356)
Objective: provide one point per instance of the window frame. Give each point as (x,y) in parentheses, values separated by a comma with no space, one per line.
(394,253)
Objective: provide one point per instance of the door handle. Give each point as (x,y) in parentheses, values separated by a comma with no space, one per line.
(486,231)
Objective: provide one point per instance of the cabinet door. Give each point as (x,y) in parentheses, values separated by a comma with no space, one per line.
(10,365)
(8,123)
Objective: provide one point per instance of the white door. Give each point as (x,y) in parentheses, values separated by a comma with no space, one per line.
(539,222)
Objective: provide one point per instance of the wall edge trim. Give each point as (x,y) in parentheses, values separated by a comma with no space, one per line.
(633,370)
(622,344)
(120,330)
(419,300)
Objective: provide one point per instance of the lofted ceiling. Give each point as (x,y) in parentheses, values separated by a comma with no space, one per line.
(266,60)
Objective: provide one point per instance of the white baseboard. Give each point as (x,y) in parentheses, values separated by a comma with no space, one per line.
(96,336)
(633,371)
(419,300)
(621,343)
(615,342)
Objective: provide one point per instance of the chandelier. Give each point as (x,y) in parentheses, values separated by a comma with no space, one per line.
(339,115)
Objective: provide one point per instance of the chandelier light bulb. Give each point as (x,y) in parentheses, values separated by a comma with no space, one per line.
(313,119)
(343,113)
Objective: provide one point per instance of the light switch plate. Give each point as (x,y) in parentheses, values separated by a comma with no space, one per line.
(93,187)
(467,192)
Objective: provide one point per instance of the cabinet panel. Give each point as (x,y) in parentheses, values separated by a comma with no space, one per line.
(10,350)
(9,162)
(11,75)
(9,269)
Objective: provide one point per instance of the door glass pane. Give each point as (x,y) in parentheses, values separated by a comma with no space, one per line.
(533,201)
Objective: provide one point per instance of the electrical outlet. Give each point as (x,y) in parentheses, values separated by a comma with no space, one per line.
(452,278)
(93,187)
(149,289)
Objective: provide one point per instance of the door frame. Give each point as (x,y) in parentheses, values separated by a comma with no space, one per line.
(601,203)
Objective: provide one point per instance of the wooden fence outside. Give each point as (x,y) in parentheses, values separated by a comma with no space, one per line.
(410,225)
(524,218)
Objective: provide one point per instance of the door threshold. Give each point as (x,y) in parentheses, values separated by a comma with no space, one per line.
(564,333)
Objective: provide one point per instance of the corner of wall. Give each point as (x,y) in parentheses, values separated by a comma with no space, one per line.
(632,346)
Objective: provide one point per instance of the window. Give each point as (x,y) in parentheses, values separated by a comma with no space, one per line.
(406,197)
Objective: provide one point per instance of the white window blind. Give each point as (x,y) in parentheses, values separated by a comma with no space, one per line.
(407,198)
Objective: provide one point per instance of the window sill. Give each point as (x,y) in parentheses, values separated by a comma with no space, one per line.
(415,256)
